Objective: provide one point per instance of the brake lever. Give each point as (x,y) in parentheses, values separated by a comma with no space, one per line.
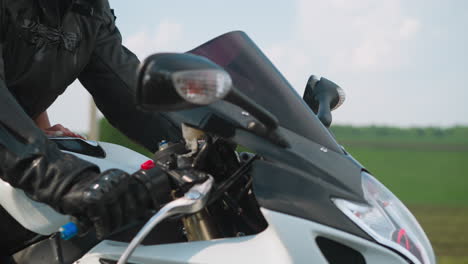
(193,201)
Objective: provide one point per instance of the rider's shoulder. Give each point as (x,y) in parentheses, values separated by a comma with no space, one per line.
(17,5)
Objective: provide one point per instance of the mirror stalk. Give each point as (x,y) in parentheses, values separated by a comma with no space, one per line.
(324,111)
(266,118)
(267,123)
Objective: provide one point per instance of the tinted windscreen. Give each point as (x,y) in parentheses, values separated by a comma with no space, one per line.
(254,75)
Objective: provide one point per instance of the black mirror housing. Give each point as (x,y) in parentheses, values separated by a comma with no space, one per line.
(323,96)
(155,88)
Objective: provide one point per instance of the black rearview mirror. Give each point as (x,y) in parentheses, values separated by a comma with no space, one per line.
(177,81)
(323,96)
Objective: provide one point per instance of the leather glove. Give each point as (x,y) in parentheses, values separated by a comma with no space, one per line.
(114,198)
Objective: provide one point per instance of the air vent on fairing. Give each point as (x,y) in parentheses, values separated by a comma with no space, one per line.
(337,253)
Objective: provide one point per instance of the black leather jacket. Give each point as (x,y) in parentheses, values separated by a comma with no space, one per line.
(44,47)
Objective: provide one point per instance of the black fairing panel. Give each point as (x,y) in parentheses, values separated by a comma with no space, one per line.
(292,192)
(77,145)
(301,181)
(337,253)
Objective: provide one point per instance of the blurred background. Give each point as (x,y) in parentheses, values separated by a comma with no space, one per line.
(403,65)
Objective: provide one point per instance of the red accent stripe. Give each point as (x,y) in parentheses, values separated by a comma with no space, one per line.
(401,234)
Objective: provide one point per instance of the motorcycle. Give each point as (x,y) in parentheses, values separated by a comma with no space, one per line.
(258,178)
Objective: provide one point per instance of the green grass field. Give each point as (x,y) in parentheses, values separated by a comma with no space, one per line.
(419,176)
(430,177)
(433,184)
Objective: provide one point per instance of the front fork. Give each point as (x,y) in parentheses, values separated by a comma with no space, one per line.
(200,226)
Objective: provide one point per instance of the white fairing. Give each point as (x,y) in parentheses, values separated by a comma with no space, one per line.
(117,157)
(42,219)
(287,239)
(34,216)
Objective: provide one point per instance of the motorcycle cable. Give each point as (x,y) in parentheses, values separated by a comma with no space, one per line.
(220,190)
(244,189)
(232,203)
(57,243)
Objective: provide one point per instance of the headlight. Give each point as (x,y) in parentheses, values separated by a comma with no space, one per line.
(388,221)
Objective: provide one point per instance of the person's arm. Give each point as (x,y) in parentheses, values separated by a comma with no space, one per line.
(57,130)
(110,77)
(29,161)
(42,121)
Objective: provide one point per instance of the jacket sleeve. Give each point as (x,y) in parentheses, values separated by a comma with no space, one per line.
(28,160)
(110,77)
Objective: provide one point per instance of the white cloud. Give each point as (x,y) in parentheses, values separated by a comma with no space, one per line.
(339,36)
(359,35)
(339,39)
(276,53)
(292,61)
(409,27)
(165,38)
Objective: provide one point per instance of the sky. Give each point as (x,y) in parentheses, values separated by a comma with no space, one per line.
(401,63)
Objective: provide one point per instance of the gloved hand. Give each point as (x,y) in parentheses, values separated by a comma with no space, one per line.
(114,198)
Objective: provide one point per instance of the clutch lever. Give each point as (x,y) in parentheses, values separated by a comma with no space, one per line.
(193,201)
